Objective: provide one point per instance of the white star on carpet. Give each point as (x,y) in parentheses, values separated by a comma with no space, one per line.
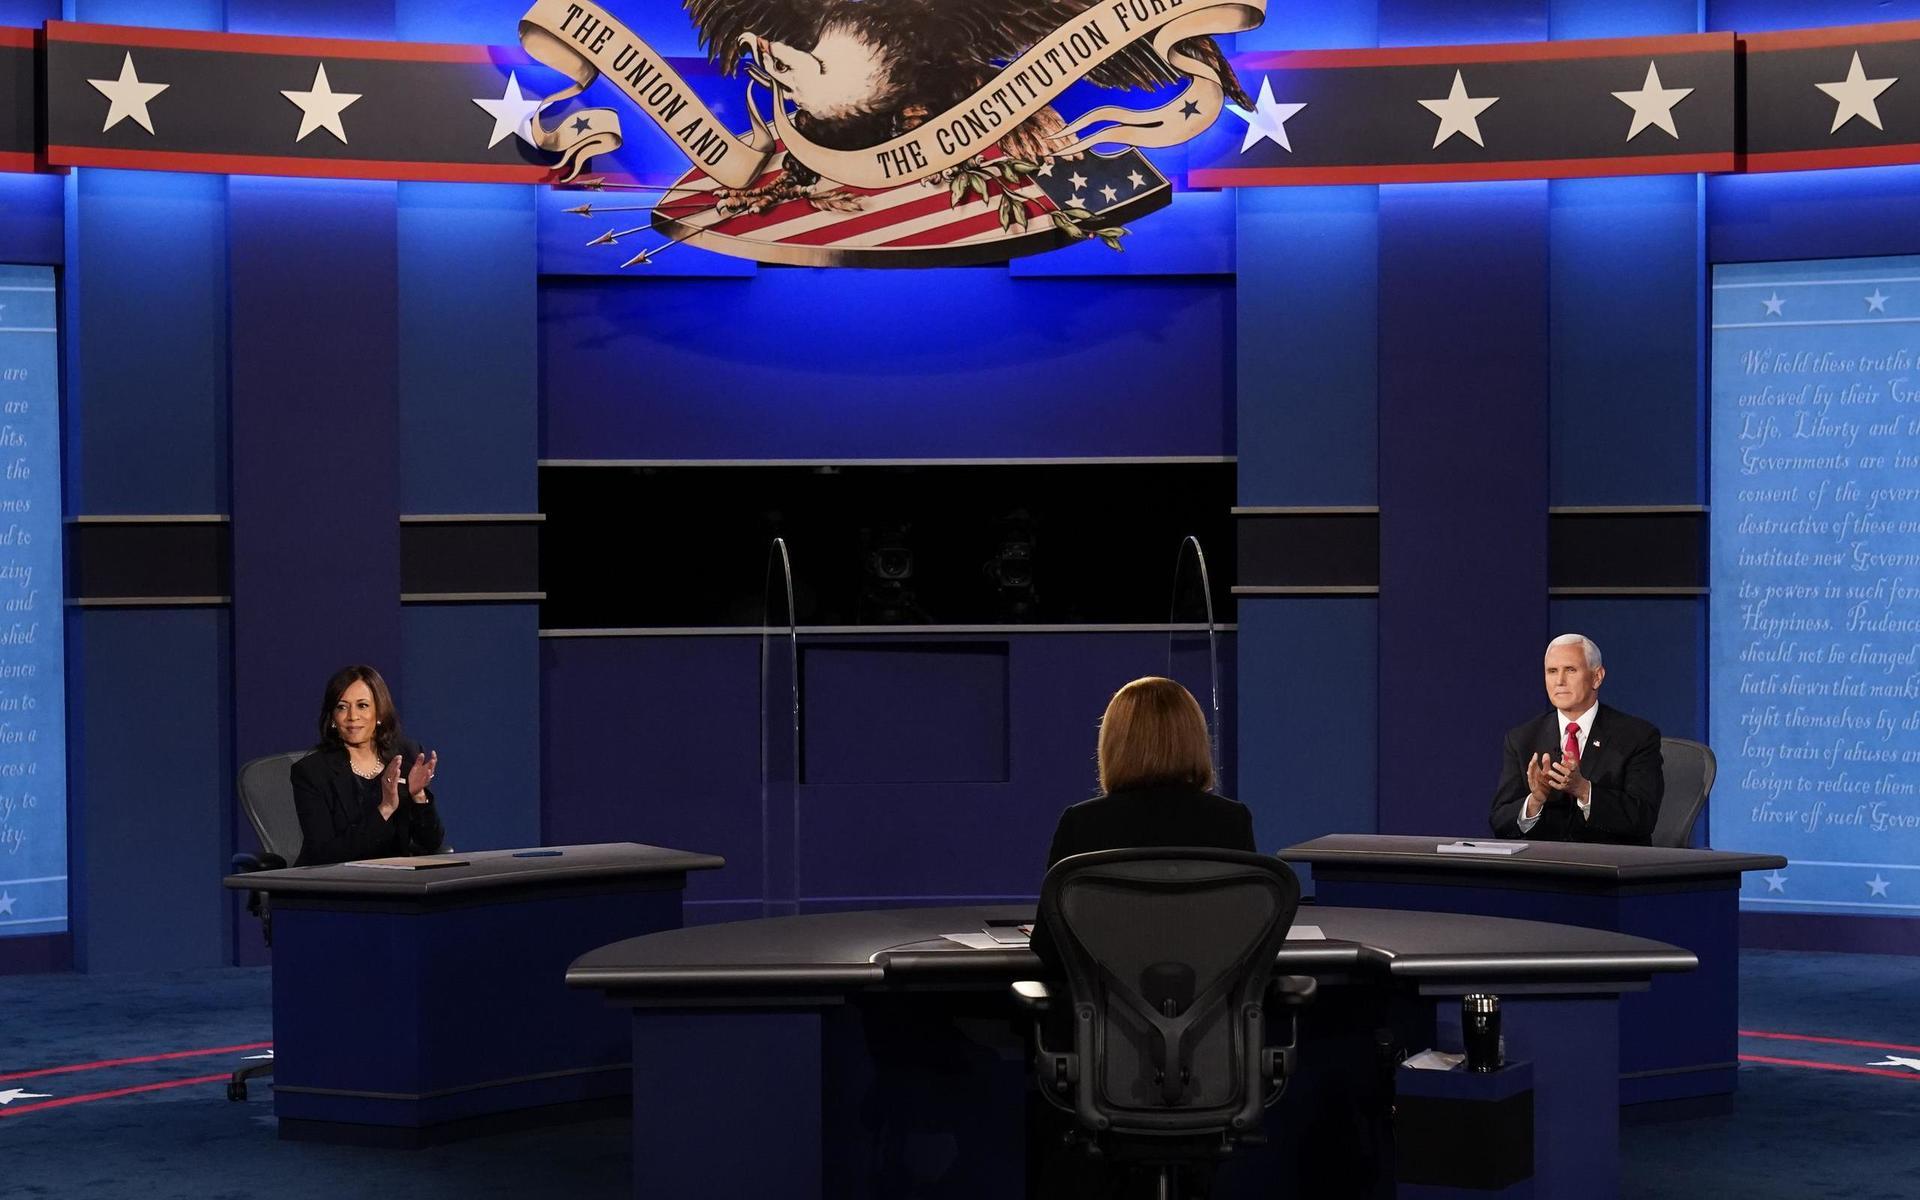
(1267,121)
(1877,886)
(1136,179)
(321,106)
(1110,192)
(1046,168)
(1459,112)
(512,113)
(1773,304)
(1077,181)
(1854,96)
(1776,882)
(9,1095)
(1653,104)
(6,904)
(1877,302)
(1077,200)
(1894,1060)
(128,97)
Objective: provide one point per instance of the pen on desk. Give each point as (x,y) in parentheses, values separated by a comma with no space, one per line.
(536,854)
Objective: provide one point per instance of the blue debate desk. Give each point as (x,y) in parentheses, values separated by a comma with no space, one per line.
(413,1006)
(1679,1040)
(859,1056)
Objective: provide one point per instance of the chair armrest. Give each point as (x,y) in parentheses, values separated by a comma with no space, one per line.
(244,864)
(1292,991)
(1031,995)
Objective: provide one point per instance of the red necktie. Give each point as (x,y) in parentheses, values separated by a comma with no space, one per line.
(1572,750)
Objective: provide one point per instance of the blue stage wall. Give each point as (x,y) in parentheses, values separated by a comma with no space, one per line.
(1329,361)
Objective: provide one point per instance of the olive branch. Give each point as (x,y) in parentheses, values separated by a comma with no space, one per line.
(1011,173)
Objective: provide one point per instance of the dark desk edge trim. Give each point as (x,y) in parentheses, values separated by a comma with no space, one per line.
(491,518)
(745,979)
(150,519)
(511,1081)
(1601,966)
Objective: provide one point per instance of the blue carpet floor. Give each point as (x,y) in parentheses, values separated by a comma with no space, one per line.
(1822,1130)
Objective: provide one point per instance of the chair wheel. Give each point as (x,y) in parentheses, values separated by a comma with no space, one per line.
(236,1089)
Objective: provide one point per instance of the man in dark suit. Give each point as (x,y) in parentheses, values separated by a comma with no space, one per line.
(1584,772)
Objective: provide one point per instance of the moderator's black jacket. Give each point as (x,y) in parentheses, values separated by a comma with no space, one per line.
(338,825)
(1623,764)
(1163,815)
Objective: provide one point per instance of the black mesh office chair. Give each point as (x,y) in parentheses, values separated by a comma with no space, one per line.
(1688,769)
(266,796)
(1169,958)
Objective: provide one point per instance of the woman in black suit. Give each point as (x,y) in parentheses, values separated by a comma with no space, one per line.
(1156,770)
(356,794)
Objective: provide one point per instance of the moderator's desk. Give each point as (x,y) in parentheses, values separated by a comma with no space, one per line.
(854,1055)
(1679,1039)
(409,1006)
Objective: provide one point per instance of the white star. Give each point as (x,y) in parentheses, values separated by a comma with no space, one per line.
(1136,179)
(1877,886)
(1776,882)
(1459,112)
(321,106)
(128,96)
(1077,181)
(1110,193)
(1267,121)
(1773,304)
(1077,200)
(9,1095)
(511,113)
(1876,302)
(1854,96)
(1894,1060)
(1652,104)
(6,904)
(1046,168)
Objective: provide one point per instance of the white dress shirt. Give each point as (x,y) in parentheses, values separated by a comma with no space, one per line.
(1585,722)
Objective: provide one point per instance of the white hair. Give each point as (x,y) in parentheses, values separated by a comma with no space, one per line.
(1584,642)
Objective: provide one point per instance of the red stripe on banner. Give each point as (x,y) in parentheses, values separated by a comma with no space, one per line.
(1828,1041)
(259,43)
(854,226)
(63,1101)
(984,223)
(312,168)
(20,39)
(1840,35)
(1547,168)
(20,160)
(1416,56)
(140,1058)
(1910,1076)
(1814,160)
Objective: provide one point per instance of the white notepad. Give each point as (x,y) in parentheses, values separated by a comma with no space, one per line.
(1481,847)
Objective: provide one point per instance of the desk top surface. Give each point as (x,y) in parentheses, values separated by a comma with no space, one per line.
(484,870)
(834,953)
(1570,860)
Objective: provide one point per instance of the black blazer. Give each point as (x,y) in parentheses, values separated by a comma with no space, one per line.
(1162,815)
(336,825)
(1623,764)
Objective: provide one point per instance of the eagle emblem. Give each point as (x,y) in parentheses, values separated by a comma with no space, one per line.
(913,132)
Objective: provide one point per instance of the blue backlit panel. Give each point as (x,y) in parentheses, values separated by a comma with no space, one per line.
(33,754)
(1815,626)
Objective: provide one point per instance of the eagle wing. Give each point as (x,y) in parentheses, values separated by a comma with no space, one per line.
(1002,30)
(722,22)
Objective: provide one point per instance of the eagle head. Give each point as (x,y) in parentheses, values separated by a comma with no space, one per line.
(845,75)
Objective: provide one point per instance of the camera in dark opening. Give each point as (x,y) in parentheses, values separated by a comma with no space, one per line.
(886,597)
(1010,570)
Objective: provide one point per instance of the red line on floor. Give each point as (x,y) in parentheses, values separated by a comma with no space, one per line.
(63,1101)
(140,1058)
(1828,1041)
(1820,1066)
